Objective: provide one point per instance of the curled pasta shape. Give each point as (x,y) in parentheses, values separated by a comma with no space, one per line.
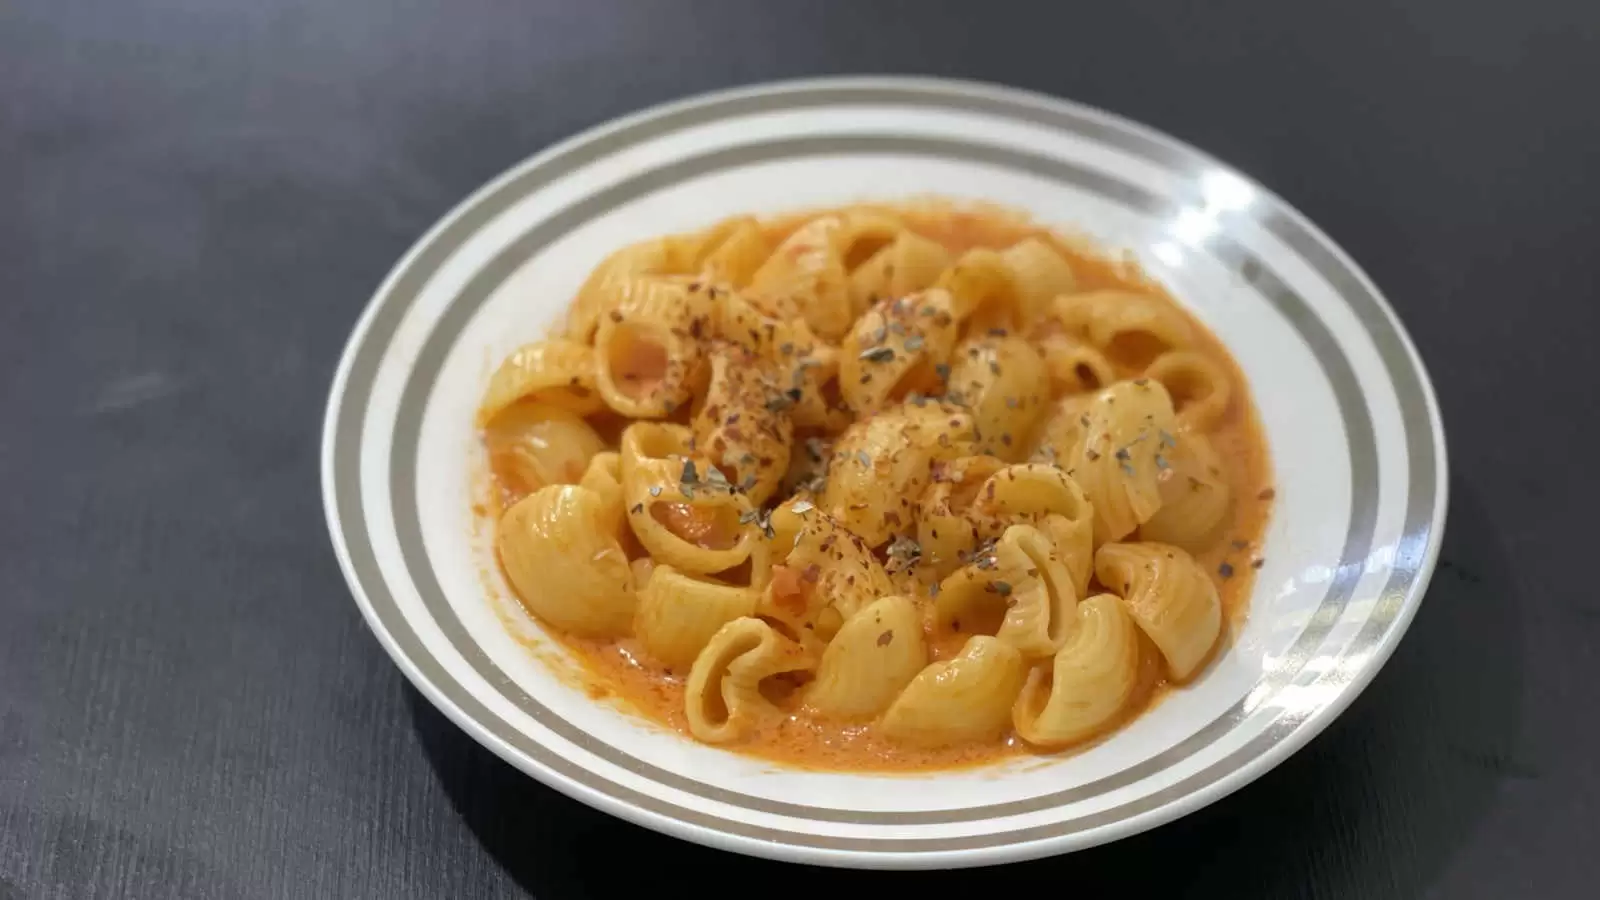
(1019,591)
(1199,387)
(741,425)
(678,614)
(806,274)
(873,657)
(1061,432)
(722,698)
(806,367)
(1074,365)
(1039,273)
(556,372)
(1131,329)
(1002,381)
(1088,683)
(984,295)
(880,463)
(1170,597)
(1122,456)
(826,576)
(908,264)
(946,530)
(735,256)
(564,565)
(647,350)
(1195,497)
(533,444)
(679,506)
(965,698)
(604,476)
(606,285)
(895,349)
(1043,495)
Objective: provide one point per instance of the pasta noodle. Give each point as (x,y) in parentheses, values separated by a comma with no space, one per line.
(1121,455)
(723,698)
(566,567)
(967,698)
(1169,596)
(1195,498)
(679,613)
(1002,380)
(877,487)
(873,657)
(881,464)
(1089,681)
(1018,591)
(554,372)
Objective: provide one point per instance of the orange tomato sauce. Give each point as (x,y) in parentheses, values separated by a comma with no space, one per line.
(623,673)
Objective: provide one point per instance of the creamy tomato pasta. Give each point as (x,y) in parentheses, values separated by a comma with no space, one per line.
(879,487)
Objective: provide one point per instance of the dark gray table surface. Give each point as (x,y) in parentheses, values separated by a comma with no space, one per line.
(197,198)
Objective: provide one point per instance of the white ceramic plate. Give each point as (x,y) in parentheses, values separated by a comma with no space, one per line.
(1353,425)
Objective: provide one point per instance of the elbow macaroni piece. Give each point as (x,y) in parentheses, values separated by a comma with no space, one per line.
(538,445)
(678,614)
(1043,495)
(1122,455)
(555,372)
(1130,328)
(881,465)
(740,425)
(1002,381)
(907,265)
(947,530)
(1039,274)
(722,698)
(1195,497)
(1087,684)
(966,698)
(1171,598)
(676,508)
(1019,590)
(564,564)
(828,574)
(872,658)
(647,352)
(895,351)
(1199,387)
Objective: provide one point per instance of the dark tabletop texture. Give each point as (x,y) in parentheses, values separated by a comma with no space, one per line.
(198,196)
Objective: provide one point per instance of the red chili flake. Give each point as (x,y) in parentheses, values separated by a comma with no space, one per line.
(811,573)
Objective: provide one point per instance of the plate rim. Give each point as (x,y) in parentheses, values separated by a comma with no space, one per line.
(1313,723)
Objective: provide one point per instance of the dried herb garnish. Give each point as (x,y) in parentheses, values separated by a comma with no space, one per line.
(748,516)
(1091,454)
(1168,440)
(1123,454)
(877,354)
(1161,462)
(689,475)
(942,370)
(914,343)
(1225,570)
(637,508)
(864,459)
(1258,563)
(1003,588)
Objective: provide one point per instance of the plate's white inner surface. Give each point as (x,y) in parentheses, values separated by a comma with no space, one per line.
(1292,394)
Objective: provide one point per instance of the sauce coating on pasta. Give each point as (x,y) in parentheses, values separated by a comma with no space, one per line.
(880,487)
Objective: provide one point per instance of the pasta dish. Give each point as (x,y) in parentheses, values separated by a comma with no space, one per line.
(878,487)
